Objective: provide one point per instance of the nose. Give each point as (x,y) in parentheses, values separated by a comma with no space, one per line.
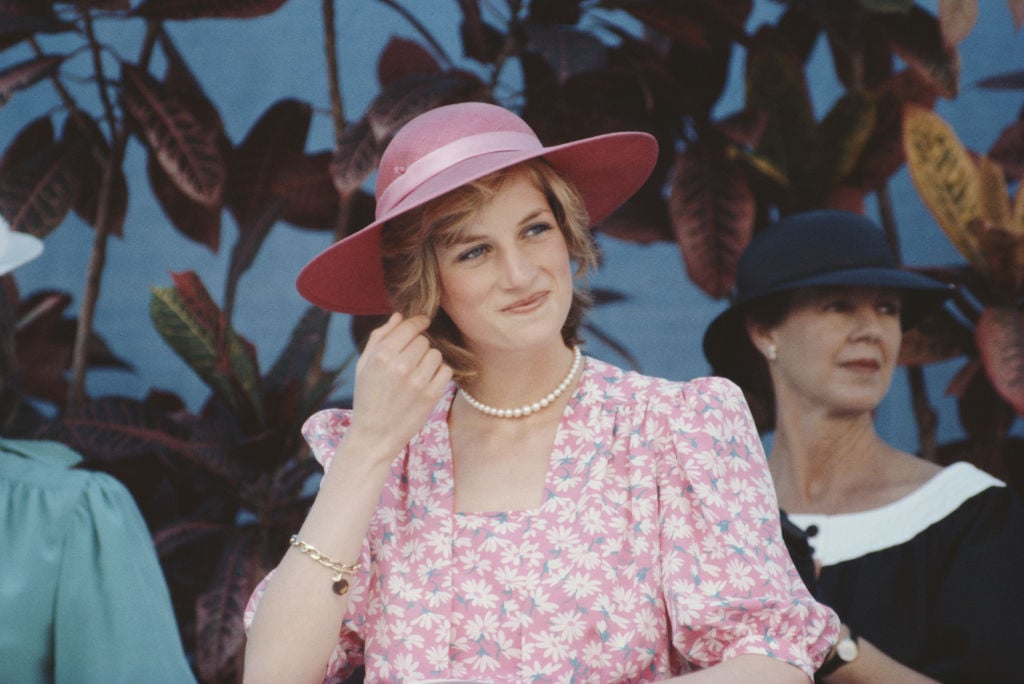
(517,268)
(870,323)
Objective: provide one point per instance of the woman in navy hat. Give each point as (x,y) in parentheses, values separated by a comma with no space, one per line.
(497,506)
(922,563)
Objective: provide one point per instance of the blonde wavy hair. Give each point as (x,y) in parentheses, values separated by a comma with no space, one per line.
(409,257)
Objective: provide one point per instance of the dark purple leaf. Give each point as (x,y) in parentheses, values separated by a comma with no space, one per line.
(917,38)
(1008,151)
(555,12)
(278,135)
(195,221)
(93,158)
(38,193)
(187,150)
(200,9)
(219,609)
(355,157)
(305,183)
(1013,80)
(403,57)
(415,94)
(24,74)
(37,134)
(712,211)
(567,50)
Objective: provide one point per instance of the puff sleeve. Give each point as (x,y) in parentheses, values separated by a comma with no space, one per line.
(731,588)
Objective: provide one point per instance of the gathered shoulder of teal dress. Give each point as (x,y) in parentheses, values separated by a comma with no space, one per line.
(82,595)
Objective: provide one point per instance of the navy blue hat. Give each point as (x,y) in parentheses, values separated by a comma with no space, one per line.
(811,249)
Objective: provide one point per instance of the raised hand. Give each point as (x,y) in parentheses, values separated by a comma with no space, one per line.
(399,379)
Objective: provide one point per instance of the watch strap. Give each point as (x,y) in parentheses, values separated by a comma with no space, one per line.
(835,661)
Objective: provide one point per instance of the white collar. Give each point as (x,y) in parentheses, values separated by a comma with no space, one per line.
(846,536)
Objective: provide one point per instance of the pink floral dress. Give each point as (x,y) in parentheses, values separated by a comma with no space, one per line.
(657,550)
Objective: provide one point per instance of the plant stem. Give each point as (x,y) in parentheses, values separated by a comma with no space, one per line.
(420,28)
(98,256)
(924,413)
(333,74)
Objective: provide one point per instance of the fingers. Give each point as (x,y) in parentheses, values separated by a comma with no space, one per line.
(396,333)
(400,347)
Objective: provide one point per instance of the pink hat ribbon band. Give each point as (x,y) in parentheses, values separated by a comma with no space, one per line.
(432,163)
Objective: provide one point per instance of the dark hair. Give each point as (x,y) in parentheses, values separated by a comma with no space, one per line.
(412,275)
(750,370)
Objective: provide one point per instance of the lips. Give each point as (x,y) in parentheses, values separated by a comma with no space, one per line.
(862,364)
(527,304)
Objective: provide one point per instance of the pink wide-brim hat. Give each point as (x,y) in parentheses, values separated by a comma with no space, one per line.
(445,148)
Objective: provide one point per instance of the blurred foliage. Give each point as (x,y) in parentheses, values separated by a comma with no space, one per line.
(223,489)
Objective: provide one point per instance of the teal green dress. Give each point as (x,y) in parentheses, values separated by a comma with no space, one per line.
(82,596)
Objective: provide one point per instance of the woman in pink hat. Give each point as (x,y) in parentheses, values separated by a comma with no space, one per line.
(497,506)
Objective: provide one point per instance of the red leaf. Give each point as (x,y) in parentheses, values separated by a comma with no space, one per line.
(311,201)
(712,210)
(197,301)
(278,135)
(188,151)
(1000,340)
(23,74)
(403,57)
(199,9)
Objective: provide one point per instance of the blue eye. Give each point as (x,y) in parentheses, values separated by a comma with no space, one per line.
(537,229)
(471,254)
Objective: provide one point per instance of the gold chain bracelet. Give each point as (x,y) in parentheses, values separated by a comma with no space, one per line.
(340,584)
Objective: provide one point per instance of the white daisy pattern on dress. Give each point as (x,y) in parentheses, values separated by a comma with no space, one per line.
(656,550)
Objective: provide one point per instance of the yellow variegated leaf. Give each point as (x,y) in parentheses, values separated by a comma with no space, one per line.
(945,176)
(994,197)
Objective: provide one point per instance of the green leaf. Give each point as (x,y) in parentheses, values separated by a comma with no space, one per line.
(192,325)
(839,141)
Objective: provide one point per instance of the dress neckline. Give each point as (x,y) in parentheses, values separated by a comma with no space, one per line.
(568,411)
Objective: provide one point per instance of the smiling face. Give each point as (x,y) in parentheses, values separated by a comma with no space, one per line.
(506,274)
(835,349)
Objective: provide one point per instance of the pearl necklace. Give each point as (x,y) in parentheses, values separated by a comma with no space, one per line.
(527,409)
